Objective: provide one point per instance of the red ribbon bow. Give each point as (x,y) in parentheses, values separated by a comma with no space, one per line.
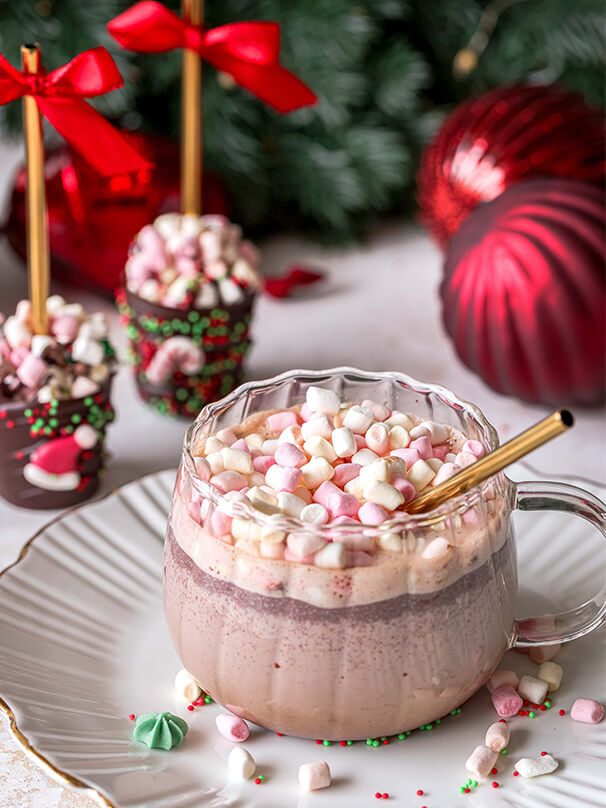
(60,98)
(248,51)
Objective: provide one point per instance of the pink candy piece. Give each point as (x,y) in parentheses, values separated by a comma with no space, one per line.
(278,421)
(410,456)
(340,504)
(440,452)
(380,411)
(283,478)
(65,327)
(287,454)
(423,447)
(240,444)
(32,370)
(323,491)
(229,481)
(588,711)
(220,523)
(405,487)
(377,438)
(372,514)
(290,556)
(506,701)
(263,462)
(474,447)
(232,727)
(346,472)
(360,442)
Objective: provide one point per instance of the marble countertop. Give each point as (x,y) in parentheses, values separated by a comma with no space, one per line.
(378,310)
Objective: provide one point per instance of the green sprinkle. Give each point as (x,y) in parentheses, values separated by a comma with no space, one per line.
(53,422)
(193,316)
(88,401)
(326,743)
(458,711)
(47,430)
(261,777)
(54,402)
(207,699)
(348,743)
(375,743)
(547,705)
(474,783)
(76,418)
(69,429)
(531,715)
(461,789)
(438,721)
(28,413)
(429,726)
(468,782)
(369,742)
(408,731)
(401,736)
(504,752)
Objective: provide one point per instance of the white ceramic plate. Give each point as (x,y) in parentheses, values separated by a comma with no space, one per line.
(83,644)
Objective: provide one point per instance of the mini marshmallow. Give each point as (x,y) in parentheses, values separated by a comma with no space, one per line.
(481,761)
(316,472)
(445,472)
(32,370)
(542,653)
(588,711)
(241,763)
(436,548)
(315,514)
(364,457)
(410,456)
(262,500)
(497,736)
(283,478)
(405,488)
(358,419)
(254,441)
(213,444)
(229,481)
(270,447)
(399,437)
(304,544)
(83,387)
(292,434)
(383,494)
(279,421)
(237,460)
(343,442)
(245,530)
(346,472)
(240,444)
(423,447)
(356,487)
(40,342)
(231,727)
(342,504)
(534,767)
(532,689)
(551,673)
(314,775)
(230,291)
(88,351)
(323,491)
(274,550)
(435,464)
(207,297)
(420,474)
(419,432)
(186,686)
(400,419)
(506,701)
(320,447)
(380,411)
(499,678)
(290,504)
(475,448)
(391,542)
(226,435)
(319,399)
(321,425)
(333,556)
(437,432)
(464,459)
(289,454)
(378,470)
(215,461)
(372,514)
(271,535)
(377,438)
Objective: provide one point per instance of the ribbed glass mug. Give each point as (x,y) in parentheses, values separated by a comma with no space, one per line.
(365,651)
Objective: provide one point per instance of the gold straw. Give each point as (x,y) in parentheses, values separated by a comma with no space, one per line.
(37,232)
(490,464)
(191,118)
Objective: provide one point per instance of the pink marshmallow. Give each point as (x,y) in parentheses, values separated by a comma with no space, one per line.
(287,454)
(474,447)
(278,421)
(358,558)
(283,478)
(372,514)
(65,327)
(220,523)
(275,550)
(377,438)
(150,241)
(405,487)
(231,727)
(194,510)
(423,447)
(240,444)
(445,472)
(263,462)
(410,456)
(323,491)
(290,556)
(306,412)
(346,472)
(506,701)
(229,481)
(357,542)
(380,411)
(32,370)
(203,468)
(440,452)
(187,267)
(340,504)
(588,711)
(360,442)
(304,544)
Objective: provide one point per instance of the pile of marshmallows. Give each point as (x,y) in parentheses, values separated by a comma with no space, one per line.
(69,362)
(329,463)
(181,261)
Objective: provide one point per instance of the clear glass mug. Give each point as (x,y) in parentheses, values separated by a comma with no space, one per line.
(366,651)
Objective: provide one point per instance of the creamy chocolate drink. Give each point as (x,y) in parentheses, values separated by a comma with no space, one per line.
(300,594)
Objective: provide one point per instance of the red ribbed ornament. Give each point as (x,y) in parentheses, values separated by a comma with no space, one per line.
(524,292)
(506,135)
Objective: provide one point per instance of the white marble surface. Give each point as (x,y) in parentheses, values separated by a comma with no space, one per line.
(378,310)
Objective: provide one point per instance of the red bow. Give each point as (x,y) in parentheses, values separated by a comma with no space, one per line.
(296,276)
(248,51)
(59,96)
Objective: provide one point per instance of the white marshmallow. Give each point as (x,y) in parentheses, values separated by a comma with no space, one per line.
(499,678)
(435,464)
(40,343)
(213,444)
(230,292)
(16,333)
(207,297)
(464,459)
(241,763)
(292,434)
(215,461)
(543,653)
(254,441)
(53,304)
(436,548)
(437,432)
(150,291)
(445,472)
(420,474)
(315,514)
(317,471)
(271,535)
(390,541)
(399,437)
(167,224)
(269,446)
(317,446)
(320,399)
(262,499)
(245,530)
(532,689)
(191,224)
(400,419)
(290,504)
(83,387)
(481,761)
(237,460)
(314,775)
(383,494)
(178,290)
(333,556)
(358,419)
(534,767)
(186,686)
(87,350)
(343,442)
(355,487)
(321,425)
(364,457)
(497,736)
(551,673)
(419,432)
(379,470)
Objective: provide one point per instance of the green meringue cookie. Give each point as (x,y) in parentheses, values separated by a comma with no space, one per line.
(160,730)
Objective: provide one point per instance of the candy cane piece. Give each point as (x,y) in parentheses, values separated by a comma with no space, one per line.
(175,354)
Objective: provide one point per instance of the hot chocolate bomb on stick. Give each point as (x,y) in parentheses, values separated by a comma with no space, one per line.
(190,279)
(56,364)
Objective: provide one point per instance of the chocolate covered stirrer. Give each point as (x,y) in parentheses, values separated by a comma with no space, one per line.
(466,479)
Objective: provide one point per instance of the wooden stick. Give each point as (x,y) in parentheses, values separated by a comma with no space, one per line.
(191,118)
(36,215)
(490,464)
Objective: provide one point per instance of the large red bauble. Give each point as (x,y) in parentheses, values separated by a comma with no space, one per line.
(92,219)
(509,134)
(524,292)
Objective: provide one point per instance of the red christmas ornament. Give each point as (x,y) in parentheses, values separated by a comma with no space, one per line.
(92,219)
(524,292)
(506,135)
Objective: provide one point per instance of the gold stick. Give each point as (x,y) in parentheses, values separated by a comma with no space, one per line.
(490,464)
(37,231)
(191,118)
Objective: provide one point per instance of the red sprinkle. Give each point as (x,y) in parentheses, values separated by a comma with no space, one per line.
(493,771)
(543,754)
(542,707)
(495,784)
(516,774)
(502,721)
(343,743)
(258,780)
(385,742)
(10,424)
(466,790)
(378,795)
(191,708)
(318,740)
(385,795)
(420,792)
(562,712)
(520,712)
(131,716)
(280,734)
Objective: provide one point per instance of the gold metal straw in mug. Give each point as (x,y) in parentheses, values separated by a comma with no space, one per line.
(37,231)
(191,118)
(490,464)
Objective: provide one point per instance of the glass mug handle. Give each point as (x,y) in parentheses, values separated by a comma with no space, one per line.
(574,623)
